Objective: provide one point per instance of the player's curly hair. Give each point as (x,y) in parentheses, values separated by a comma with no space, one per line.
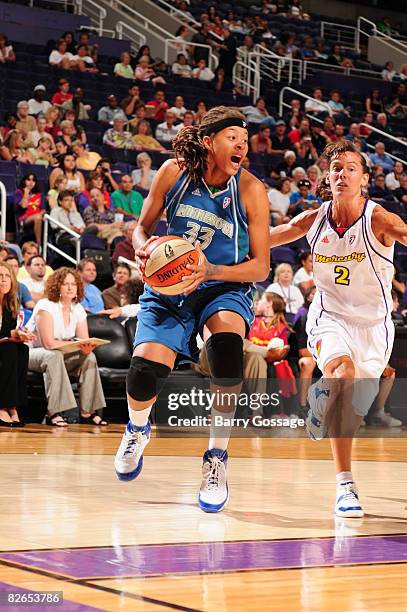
(331,151)
(54,282)
(188,145)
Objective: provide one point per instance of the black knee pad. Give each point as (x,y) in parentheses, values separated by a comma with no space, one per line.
(145,378)
(225,358)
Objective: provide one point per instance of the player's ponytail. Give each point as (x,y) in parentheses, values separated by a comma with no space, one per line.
(190,151)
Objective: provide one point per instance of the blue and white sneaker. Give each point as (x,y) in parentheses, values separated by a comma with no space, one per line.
(318,396)
(347,501)
(129,458)
(214,492)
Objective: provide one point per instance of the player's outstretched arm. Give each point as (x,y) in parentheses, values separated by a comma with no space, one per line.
(388,227)
(295,229)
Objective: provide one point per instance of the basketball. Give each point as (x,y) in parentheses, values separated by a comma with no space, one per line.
(166,264)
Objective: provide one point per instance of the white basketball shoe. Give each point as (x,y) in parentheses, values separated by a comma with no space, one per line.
(347,501)
(128,462)
(214,492)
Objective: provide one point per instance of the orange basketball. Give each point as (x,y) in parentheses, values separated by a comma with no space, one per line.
(166,264)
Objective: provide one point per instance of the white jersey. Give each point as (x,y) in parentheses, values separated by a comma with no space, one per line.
(352,273)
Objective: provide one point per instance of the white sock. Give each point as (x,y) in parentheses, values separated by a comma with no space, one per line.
(139,418)
(343,477)
(220,434)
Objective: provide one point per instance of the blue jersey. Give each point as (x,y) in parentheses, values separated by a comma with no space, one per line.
(218,221)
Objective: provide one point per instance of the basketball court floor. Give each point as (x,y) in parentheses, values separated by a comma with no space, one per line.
(68,525)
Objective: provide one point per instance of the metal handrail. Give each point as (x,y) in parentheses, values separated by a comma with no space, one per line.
(251,80)
(101,12)
(302,95)
(143,21)
(47,245)
(120,25)
(177,14)
(386,134)
(326,25)
(3,211)
(171,42)
(342,69)
(375,32)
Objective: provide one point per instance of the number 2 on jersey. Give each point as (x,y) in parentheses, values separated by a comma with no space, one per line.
(342,277)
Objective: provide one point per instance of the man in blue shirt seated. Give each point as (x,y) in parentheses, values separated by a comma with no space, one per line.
(303,199)
(92,301)
(381,158)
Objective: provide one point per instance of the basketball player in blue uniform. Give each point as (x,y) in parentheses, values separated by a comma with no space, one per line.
(349,327)
(223,210)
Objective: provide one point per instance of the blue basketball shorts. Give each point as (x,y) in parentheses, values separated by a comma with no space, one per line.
(174,321)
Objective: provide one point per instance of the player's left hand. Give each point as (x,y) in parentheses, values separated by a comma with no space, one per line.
(200,272)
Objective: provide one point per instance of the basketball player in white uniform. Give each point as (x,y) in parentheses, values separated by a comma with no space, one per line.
(350,332)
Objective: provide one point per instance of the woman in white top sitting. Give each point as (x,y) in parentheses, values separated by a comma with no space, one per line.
(202,72)
(60,57)
(303,278)
(57,320)
(284,287)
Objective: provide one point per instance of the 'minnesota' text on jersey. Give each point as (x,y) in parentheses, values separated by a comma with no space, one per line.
(217,220)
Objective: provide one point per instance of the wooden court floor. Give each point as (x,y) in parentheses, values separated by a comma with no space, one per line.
(68,525)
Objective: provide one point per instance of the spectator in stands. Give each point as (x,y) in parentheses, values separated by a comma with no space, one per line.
(315,106)
(298,174)
(181,41)
(102,219)
(181,67)
(42,154)
(200,110)
(303,278)
(401,192)
(143,175)
(70,131)
(144,51)
(202,72)
(261,142)
(167,130)
(28,250)
(313,175)
(144,140)
(295,112)
(23,294)
(6,50)
(125,248)
(364,130)
(35,281)
(85,160)
(61,149)
(140,115)
(56,320)
(202,37)
(67,167)
(118,294)
(178,108)
(222,83)
(307,51)
(84,39)
(396,109)
(13,355)
(67,214)
(156,108)
(284,287)
(29,205)
(303,199)
(258,113)
(374,103)
(127,201)
(76,105)
(280,143)
(95,181)
(92,296)
(393,178)
(60,57)
(117,137)
(59,186)
(381,157)
(69,38)
(227,51)
(246,48)
(40,132)
(144,72)
(52,121)
(286,167)
(306,362)
(328,131)
(123,68)
(279,199)
(4,252)
(63,95)
(37,104)
(104,170)
(14,148)
(11,123)
(378,191)
(338,110)
(403,73)
(336,57)
(388,72)
(110,111)
(132,101)
(25,123)
(83,61)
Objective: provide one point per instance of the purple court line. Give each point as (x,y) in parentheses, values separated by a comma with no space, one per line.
(66,606)
(214,556)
